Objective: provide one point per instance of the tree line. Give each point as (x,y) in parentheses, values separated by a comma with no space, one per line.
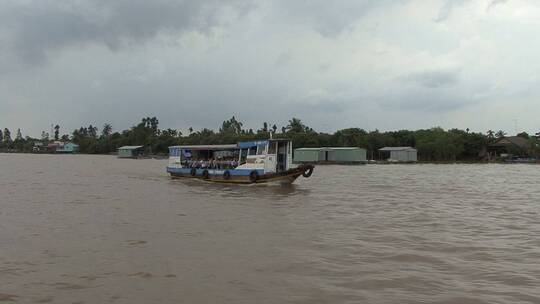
(434,144)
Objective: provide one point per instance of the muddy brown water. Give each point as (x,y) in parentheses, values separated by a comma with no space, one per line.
(97,229)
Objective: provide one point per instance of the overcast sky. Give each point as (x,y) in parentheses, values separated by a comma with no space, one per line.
(385,64)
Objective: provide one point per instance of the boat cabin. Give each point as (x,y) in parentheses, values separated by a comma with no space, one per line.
(264,156)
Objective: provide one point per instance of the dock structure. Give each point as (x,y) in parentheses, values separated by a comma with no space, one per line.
(399,154)
(130,151)
(330,155)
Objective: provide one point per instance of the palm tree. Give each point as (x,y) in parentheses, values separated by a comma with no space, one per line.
(107,130)
(500,134)
(296,126)
(56,132)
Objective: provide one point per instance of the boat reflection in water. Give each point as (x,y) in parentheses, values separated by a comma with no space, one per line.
(247,162)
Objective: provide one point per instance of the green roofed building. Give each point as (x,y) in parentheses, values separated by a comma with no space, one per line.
(130,151)
(338,155)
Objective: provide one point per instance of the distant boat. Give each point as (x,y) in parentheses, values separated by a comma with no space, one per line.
(243,163)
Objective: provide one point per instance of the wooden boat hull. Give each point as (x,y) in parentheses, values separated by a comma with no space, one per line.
(241,176)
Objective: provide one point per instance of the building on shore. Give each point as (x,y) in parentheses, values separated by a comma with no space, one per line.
(55,147)
(330,155)
(39,147)
(509,147)
(399,154)
(130,151)
(67,148)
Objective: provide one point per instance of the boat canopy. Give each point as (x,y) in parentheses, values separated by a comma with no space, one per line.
(250,144)
(206,147)
(258,145)
(255,143)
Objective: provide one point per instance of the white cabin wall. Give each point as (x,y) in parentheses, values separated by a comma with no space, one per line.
(289,156)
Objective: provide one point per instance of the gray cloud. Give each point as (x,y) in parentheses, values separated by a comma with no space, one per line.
(334,64)
(446,9)
(331,18)
(432,78)
(494,3)
(38,26)
(424,101)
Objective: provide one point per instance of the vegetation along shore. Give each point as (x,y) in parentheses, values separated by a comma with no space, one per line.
(433,145)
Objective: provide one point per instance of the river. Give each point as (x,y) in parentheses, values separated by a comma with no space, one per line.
(97,229)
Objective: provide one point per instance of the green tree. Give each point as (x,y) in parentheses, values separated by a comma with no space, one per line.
(231,127)
(7,136)
(106,131)
(490,135)
(524,135)
(44,137)
(92,131)
(56,132)
(18,143)
(296,126)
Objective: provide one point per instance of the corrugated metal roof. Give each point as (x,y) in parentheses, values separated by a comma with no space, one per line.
(308,149)
(343,148)
(207,147)
(329,148)
(512,140)
(397,149)
(129,147)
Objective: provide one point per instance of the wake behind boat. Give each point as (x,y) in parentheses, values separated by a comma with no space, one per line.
(247,162)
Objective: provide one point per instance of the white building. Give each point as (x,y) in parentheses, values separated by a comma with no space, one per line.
(399,154)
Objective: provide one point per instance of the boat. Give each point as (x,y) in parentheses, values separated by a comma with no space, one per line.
(247,162)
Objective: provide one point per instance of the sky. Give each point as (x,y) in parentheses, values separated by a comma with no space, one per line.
(384,64)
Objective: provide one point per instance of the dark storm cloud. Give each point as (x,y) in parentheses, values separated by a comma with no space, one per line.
(432,78)
(34,27)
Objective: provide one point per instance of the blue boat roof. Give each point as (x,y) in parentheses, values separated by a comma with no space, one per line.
(206,147)
(240,145)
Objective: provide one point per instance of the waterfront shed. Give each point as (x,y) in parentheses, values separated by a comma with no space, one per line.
(510,146)
(345,155)
(130,151)
(67,148)
(400,154)
(308,155)
(330,155)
